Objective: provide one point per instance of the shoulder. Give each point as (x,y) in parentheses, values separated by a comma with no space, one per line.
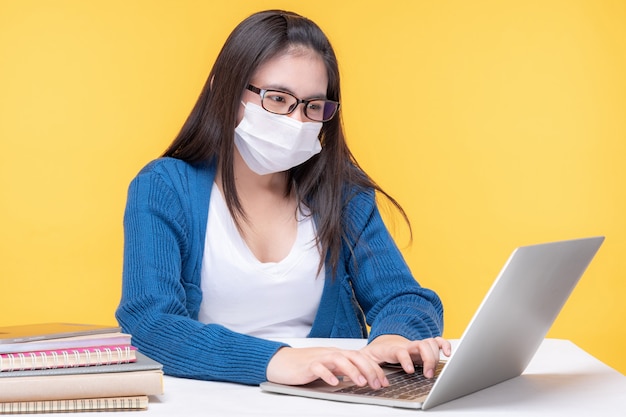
(176,174)
(167,181)
(359,200)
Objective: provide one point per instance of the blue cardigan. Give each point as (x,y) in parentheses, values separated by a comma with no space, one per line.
(164,228)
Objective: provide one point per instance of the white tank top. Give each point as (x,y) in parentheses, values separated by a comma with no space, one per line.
(269,300)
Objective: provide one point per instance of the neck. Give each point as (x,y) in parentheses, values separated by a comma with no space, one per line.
(249,182)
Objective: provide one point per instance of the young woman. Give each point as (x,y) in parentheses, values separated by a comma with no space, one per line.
(257,224)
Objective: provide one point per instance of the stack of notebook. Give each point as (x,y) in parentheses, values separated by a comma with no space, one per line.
(56,367)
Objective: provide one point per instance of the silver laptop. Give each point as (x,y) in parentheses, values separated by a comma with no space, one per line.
(498,343)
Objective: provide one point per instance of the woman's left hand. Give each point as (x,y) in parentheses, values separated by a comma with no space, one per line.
(397,349)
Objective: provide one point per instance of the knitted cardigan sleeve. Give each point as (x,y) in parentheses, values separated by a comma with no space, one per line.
(385,289)
(160,289)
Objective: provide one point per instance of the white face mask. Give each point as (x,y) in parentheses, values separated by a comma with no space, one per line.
(270,143)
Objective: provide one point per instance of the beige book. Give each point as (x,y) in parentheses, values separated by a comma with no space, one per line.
(143,377)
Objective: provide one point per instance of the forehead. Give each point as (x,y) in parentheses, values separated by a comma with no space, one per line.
(298,71)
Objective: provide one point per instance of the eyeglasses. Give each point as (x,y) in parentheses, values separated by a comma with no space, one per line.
(280,102)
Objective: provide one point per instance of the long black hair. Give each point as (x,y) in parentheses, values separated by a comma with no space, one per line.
(208,133)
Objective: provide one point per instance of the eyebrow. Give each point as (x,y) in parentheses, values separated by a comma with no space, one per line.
(281,87)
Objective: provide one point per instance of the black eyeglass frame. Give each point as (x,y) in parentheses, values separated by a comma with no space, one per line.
(261,92)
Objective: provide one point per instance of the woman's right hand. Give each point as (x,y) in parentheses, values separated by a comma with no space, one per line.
(296,366)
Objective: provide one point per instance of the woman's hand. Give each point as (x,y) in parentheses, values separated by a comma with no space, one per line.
(397,349)
(295,366)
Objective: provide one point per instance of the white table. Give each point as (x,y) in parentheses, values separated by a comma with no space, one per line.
(562,379)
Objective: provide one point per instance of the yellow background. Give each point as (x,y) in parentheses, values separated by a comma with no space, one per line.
(495,123)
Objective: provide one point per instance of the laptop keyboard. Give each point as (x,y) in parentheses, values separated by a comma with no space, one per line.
(401,385)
